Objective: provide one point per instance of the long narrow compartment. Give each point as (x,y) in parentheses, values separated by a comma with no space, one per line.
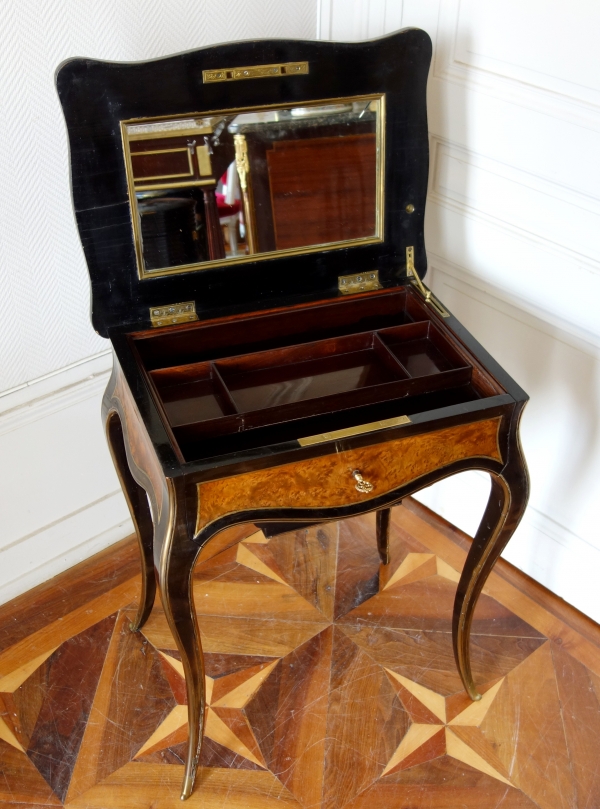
(262,331)
(227,400)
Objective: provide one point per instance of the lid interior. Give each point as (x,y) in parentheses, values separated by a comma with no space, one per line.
(356,114)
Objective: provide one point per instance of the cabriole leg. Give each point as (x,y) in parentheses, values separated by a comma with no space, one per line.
(178,602)
(383,517)
(139,509)
(506,505)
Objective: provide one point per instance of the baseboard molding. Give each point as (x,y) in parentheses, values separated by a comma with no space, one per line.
(66,544)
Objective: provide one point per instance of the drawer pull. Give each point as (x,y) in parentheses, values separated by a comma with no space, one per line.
(362,485)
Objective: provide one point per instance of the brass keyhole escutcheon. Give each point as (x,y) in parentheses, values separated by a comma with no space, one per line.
(362,485)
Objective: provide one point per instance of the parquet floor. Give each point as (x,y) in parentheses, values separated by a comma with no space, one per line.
(331,683)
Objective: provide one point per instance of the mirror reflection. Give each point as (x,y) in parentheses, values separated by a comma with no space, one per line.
(233,186)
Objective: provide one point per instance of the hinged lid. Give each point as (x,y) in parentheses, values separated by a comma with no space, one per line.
(322,147)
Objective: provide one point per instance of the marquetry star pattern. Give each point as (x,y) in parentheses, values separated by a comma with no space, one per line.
(226,722)
(313,650)
(445,725)
(11,730)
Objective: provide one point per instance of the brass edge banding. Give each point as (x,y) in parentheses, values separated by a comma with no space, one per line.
(350,431)
(255,72)
(171,133)
(165,558)
(156,187)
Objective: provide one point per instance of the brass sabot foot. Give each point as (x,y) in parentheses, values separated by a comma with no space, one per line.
(188,785)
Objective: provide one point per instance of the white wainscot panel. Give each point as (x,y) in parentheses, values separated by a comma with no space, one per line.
(557,542)
(547,278)
(61,500)
(549,44)
(529,203)
(542,53)
(516,135)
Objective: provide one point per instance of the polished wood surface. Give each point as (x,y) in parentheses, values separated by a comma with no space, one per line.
(330,682)
(328,481)
(285,387)
(323,189)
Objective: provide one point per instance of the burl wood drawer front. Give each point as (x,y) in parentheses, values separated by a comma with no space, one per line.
(328,481)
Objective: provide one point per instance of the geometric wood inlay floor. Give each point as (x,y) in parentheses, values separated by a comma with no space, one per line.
(330,682)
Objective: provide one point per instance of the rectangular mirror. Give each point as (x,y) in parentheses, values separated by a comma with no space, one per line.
(245,185)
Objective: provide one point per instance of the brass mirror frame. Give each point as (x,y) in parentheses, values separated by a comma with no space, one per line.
(145,274)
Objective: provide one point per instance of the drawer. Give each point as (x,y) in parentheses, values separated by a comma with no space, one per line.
(330,481)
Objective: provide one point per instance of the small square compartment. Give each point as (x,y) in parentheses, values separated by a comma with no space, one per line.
(421,350)
(191,394)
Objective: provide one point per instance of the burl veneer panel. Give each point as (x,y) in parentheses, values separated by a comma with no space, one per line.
(387,466)
(330,683)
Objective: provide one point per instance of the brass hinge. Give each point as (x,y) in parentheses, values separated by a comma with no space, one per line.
(173,313)
(363,282)
(255,72)
(416,282)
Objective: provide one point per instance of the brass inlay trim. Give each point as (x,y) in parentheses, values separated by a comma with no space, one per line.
(159,134)
(143,273)
(372,427)
(189,173)
(173,313)
(363,282)
(157,186)
(416,281)
(255,72)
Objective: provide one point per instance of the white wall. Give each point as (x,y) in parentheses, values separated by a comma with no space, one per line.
(512,235)
(59,496)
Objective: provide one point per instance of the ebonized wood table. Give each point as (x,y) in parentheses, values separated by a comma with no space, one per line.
(177,515)
(254,389)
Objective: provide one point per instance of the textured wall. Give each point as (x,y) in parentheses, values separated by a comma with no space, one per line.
(44,323)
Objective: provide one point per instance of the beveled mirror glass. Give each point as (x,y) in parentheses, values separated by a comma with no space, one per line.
(244,185)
